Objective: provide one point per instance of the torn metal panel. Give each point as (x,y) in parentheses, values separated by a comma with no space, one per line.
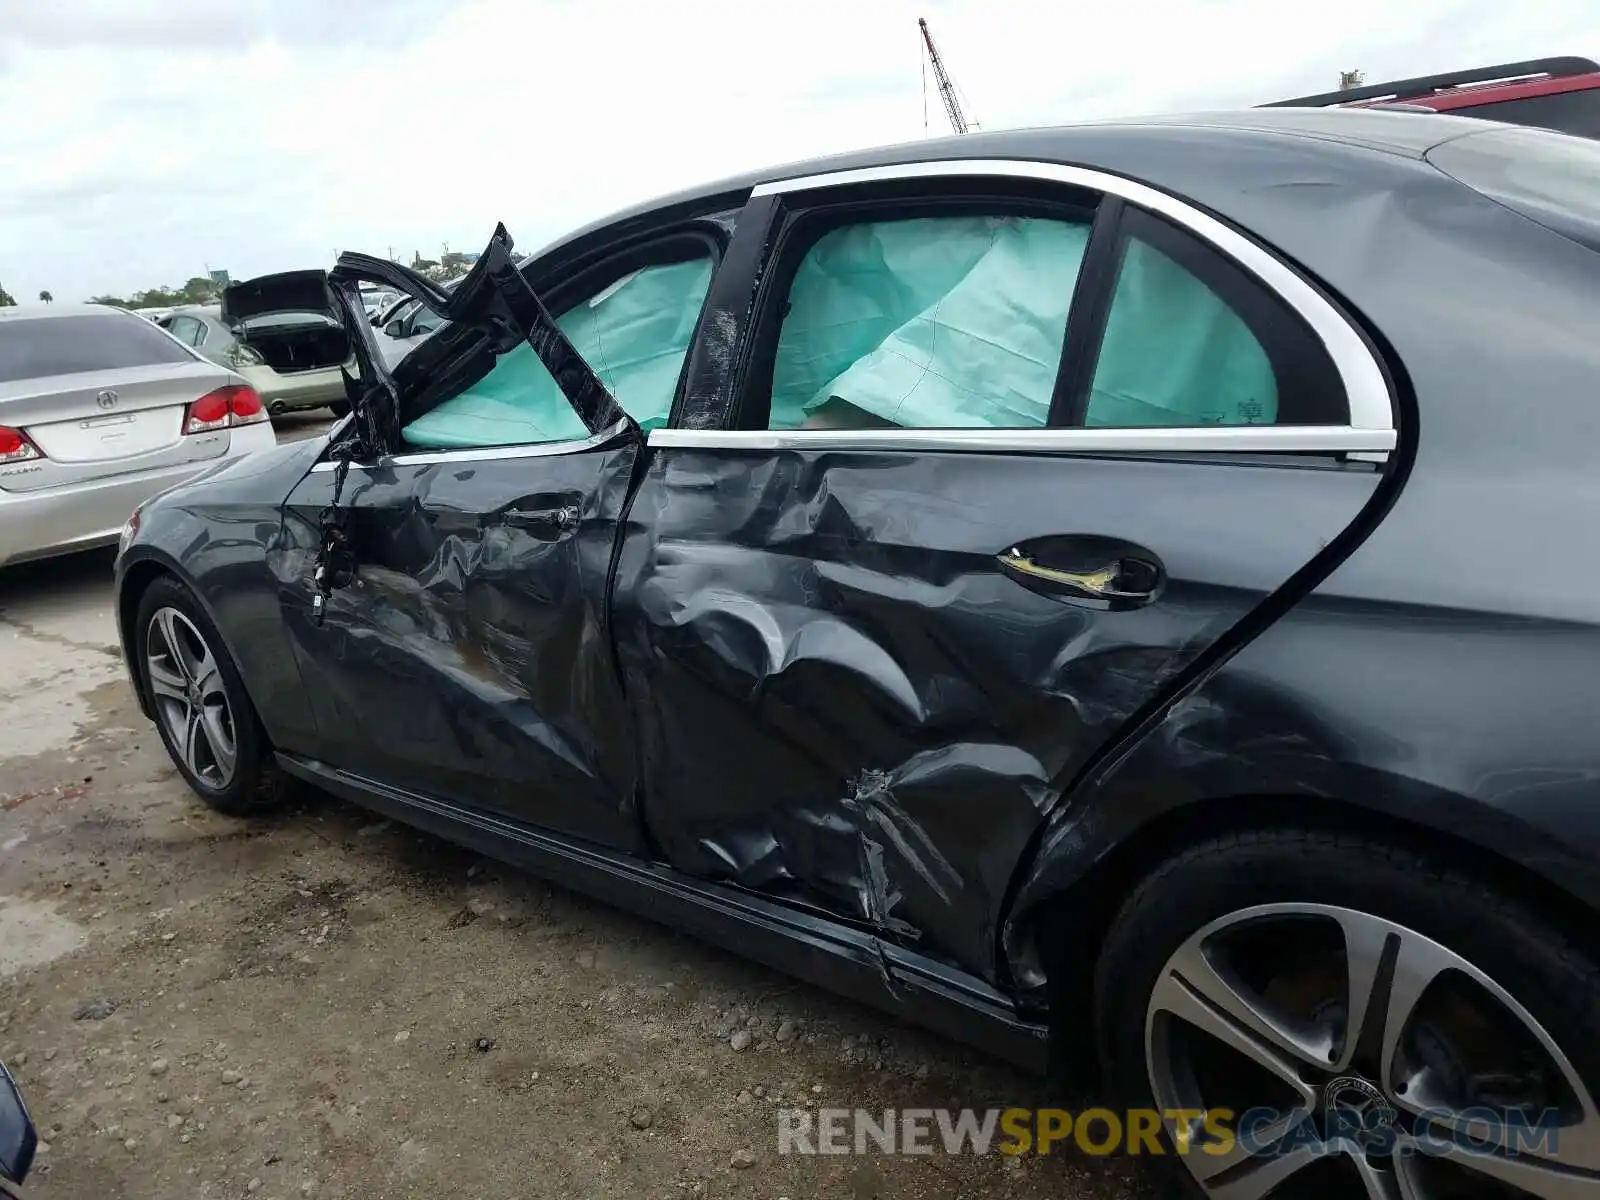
(491,311)
(471,655)
(843,697)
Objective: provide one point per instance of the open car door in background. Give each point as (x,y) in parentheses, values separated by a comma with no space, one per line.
(456,647)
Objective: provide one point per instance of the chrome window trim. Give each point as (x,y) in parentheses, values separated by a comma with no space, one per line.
(1257,439)
(1371,407)
(418,458)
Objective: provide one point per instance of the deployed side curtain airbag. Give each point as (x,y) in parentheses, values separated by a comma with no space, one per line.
(1174,353)
(634,335)
(934,322)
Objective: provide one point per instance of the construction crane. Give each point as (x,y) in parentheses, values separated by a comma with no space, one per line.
(941,78)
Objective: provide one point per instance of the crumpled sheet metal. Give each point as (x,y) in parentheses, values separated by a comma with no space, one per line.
(840,697)
(493,306)
(477,645)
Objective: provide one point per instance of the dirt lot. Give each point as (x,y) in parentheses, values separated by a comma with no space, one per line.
(321,1004)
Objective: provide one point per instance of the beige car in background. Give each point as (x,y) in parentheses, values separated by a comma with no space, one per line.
(292,359)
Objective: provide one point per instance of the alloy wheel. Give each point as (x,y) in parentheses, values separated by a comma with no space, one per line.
(1359,1058)
(191,698)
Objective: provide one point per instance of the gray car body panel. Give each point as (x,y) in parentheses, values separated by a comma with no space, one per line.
(1425,665)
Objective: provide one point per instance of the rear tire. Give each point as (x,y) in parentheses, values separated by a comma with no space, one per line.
(1191,985)
(202,711)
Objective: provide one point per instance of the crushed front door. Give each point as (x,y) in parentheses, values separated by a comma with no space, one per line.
(457,646)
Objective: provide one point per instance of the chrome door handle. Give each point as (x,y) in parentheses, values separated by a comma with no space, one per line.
(565,517)
(1121,583)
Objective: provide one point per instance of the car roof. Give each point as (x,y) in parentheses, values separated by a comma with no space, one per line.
(35,311)
(1242,133)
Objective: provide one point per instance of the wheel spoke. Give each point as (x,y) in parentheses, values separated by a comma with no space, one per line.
(1249,1143)
(1175,997)
(165,681)
(1511,1137)
(1388,972)
(1535,1176)
(1379,1184)
(1260,1175)
(1229,1002)
(192,737)
(219,738)
(207,679)
(172,633)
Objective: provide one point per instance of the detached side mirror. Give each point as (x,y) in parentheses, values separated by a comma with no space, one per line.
(18,1138)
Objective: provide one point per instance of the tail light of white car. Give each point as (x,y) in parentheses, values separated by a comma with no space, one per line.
(16,446)
(235,404)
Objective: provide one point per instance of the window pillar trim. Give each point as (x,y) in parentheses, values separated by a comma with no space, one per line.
(1365,384)
(1254,439)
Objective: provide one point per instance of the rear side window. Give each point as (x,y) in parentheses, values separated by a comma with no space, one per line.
(188,330)
(44,346)
(927,323)
(1192,340)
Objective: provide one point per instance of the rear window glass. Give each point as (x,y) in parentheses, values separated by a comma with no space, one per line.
(1548,177)
(42,346)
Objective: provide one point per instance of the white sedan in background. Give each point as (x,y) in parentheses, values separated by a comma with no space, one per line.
(99,411)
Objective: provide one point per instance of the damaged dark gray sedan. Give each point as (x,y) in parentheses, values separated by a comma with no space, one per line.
(1092,591)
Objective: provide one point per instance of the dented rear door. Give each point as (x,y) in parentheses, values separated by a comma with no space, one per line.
(879,606)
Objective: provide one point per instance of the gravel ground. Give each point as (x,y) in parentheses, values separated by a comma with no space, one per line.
(322,1004)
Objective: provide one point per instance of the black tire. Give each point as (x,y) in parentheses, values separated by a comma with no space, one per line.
(254,783)
(1555,980)
(340,408)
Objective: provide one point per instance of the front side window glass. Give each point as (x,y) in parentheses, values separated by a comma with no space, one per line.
(634,334)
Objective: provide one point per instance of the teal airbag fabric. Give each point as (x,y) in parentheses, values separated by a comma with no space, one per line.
(635,334)
(1175,354)
(935,322)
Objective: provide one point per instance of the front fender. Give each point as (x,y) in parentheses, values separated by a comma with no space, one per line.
(214,534)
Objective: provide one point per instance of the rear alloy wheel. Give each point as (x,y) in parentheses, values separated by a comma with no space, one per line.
(206,720)
(1376,1027)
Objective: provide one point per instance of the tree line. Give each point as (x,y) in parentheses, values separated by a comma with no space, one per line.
(198,290)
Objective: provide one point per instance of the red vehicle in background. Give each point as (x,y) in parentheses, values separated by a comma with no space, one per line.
(1547,93)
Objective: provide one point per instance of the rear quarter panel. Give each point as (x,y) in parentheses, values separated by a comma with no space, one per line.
(1444,674)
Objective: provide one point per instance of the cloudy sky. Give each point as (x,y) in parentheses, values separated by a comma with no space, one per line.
(142,141)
